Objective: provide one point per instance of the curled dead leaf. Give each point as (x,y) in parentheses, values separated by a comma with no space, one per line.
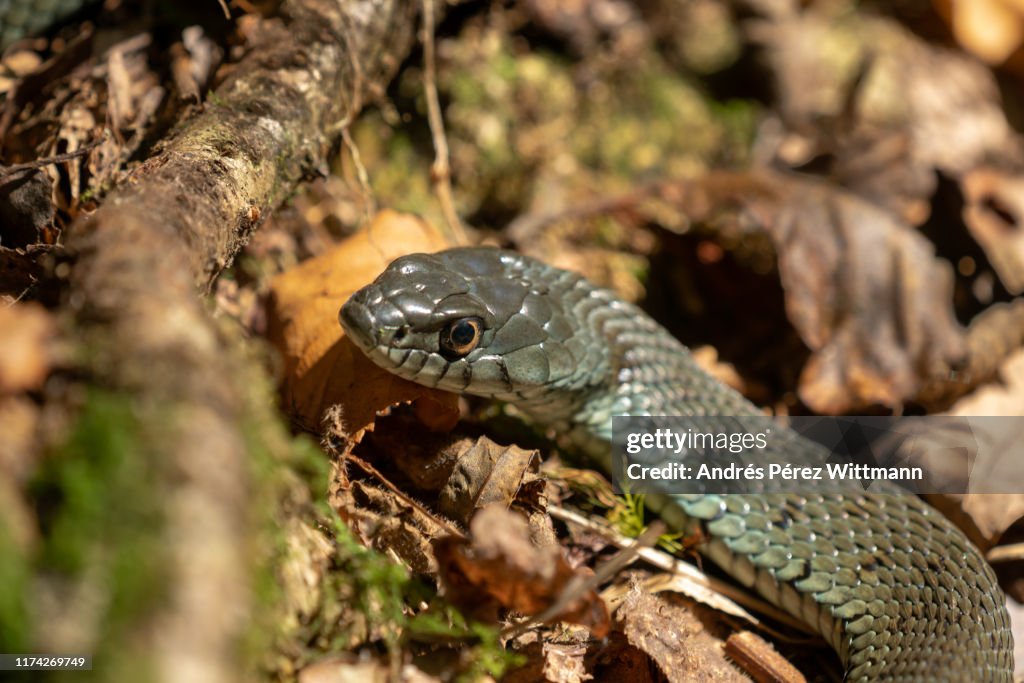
(994,214)
(322,368)
(867,295)
(411,472)
(487,473)
(863,289)
(499,567)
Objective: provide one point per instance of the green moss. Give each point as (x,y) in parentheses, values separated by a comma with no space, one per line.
(738,119)
(484,655)
(102,524)
(385,595)
(14,590)
(95,483)
(215,99)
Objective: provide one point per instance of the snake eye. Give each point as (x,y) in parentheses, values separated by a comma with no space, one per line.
(460,337)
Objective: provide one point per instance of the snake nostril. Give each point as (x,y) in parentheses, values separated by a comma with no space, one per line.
(358,322)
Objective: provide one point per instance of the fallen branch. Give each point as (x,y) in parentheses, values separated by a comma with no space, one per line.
(167,232)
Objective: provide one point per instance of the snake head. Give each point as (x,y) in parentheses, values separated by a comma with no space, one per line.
(467,320)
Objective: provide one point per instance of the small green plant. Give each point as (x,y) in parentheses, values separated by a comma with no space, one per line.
(379,600)
(628,520)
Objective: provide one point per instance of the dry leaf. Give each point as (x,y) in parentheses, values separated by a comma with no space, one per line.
(863,289)
(985,518)
(25,334)
(487,473)
(500,567)
(382,519)
(866,294)
(884,107)
(450,473)
(322,367)
(994,214)
(463,474)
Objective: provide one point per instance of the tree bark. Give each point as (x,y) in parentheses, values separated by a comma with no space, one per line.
(167,232)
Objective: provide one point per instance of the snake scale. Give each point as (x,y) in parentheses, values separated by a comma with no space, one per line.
(895,588)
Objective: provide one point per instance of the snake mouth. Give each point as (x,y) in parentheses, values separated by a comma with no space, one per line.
(359,324)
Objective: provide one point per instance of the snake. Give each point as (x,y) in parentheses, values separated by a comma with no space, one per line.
(894,587)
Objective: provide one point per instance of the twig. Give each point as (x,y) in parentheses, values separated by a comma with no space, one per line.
(404,497)
(760,660)
(527,226)
(224,6)
(440,170)
(1005,553)
(357,87)
(47,161)
(369,201)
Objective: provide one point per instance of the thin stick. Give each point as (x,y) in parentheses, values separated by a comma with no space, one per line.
(404,497)
(369,201)
(1005,553)
(47,161)
(440,171)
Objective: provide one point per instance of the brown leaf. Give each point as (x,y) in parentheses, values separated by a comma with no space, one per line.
(882,105)
(499,566)
(985,518)
(25,334)
(384,520)
(863,289)
(866,294)
(675,639)
(487,473)
(994,214)
(322,368)
(463,473)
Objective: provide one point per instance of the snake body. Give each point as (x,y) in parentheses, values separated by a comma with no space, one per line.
(895,588)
